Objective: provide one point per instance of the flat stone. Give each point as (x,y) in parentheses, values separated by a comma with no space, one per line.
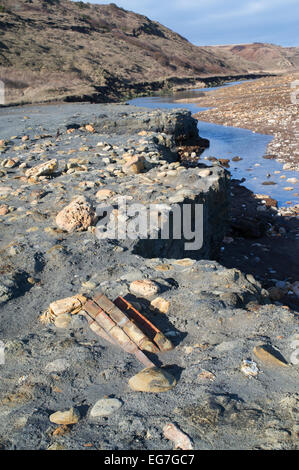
(44,169)
(152,380)
(179,438)
(71,416)
(105,407)
(134,166)
(204,173)
(269,356)
(163,267)
(184,262)
(103,194)
(145,288)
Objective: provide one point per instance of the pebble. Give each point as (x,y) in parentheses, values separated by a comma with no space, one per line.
(134,166)
(90,128)
(204,173)
(180,439)
(71,416)
(152,380)
(249,368)
(269,356)
(44,169)
(103,194)
(4,209)
(184,262)
(145,288)
(105,407)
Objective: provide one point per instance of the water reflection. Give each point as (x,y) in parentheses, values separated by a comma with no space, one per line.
(230,142)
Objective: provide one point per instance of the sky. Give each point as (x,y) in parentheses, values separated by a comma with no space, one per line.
(214,22)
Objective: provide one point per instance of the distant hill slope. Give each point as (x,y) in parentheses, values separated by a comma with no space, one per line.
(58,49)
(268,57)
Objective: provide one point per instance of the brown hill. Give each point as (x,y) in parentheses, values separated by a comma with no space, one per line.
(58,49)
(267,57)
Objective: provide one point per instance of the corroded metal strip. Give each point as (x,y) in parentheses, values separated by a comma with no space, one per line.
(151,331)
(129,337)
(123,321)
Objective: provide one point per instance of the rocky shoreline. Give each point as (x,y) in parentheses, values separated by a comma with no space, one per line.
(117,91)
(263,106)
(62,387)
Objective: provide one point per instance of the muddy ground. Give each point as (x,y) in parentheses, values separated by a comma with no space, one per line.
(218,314)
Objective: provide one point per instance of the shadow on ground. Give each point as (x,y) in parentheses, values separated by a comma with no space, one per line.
(263,244)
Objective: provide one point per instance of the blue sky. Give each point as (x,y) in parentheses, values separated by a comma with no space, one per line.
(211,22)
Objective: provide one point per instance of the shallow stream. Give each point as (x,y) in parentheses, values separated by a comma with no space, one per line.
(230,142)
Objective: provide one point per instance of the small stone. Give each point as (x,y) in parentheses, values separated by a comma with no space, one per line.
(4,190)
(163,267)
(56,446)
(105,407)
(71,416)
(134,166)
(44,169)
(269,356)
(103,194)
(145,288)
(206,375)
(161,304)
(90,128)
(4,209)
(249,368)
(152,380)
(180,439)
(184,262)
(204,173)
